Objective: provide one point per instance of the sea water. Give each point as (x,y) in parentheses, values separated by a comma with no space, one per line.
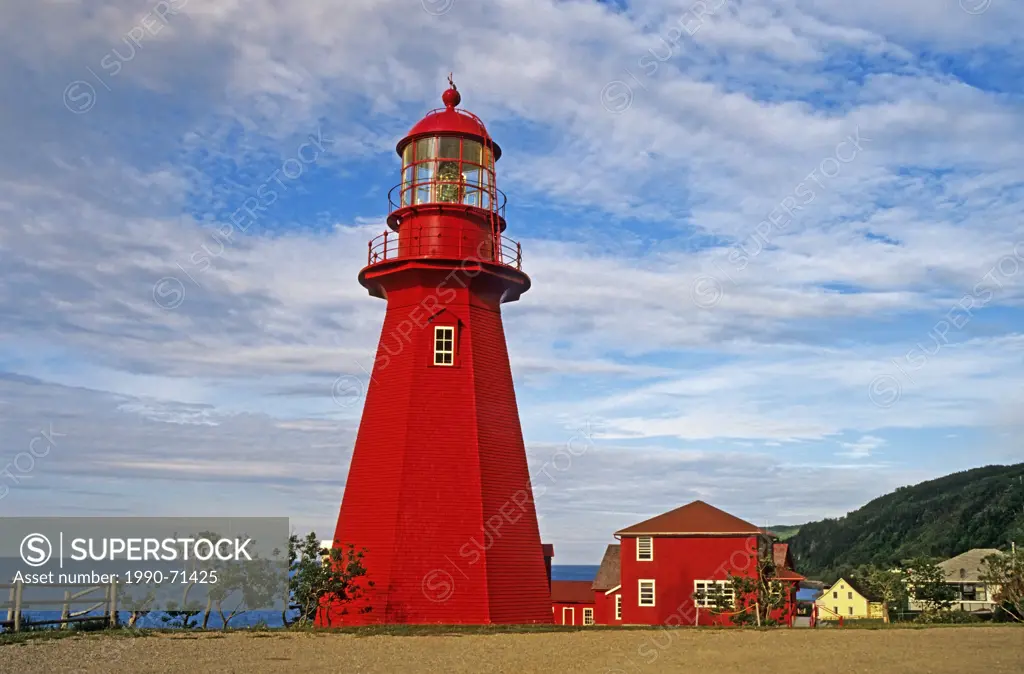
(273,618)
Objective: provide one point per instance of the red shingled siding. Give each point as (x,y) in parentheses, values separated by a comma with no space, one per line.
(517,578)
(438,489)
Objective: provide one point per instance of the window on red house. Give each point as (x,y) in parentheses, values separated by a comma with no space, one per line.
(644,548)
(646,592)
(713,593)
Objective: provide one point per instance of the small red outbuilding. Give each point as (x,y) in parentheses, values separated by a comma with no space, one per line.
(572,602)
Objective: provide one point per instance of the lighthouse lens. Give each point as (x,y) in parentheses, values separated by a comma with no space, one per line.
(449,182)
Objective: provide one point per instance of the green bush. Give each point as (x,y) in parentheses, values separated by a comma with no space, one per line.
(946,617)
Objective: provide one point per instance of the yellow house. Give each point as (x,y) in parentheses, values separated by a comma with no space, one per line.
(849,600)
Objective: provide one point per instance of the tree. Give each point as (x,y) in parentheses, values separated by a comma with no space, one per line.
(138,599)
(762,592)
(244,585)
(180,614)
(887,584)
(319,575)
(1004,573)
(926,584)
(753,597)
(979,508)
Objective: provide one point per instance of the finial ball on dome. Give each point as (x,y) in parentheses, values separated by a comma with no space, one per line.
(451,97)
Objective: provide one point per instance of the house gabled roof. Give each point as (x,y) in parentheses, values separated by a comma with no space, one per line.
(966,566)
(788,574)
(696,519)
(854,585)
(571,592)
(610,572)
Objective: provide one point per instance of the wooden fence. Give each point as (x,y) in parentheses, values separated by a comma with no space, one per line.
(16,601)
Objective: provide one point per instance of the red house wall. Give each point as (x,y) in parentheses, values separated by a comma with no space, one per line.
(604,608)
(677,563)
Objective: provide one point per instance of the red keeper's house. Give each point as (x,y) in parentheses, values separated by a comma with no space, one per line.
(652,575)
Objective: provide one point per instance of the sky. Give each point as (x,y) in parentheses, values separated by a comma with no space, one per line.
(776,247)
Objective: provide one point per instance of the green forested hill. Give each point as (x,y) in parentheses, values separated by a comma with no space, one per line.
(979,508)
(784,531)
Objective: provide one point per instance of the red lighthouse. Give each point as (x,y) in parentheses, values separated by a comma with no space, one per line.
(439,490)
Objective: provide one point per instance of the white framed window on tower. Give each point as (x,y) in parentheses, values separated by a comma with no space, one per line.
(588,616)
(644,549)
(618,607)
(444,344)
(645,592)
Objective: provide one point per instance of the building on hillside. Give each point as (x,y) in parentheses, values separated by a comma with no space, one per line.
(652,575)
(572,602)
(964,573)
(848,600)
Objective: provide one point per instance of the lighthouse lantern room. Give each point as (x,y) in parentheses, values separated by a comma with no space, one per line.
(438,491)
(448,202)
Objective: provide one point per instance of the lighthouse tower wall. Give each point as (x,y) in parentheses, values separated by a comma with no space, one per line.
(438,490)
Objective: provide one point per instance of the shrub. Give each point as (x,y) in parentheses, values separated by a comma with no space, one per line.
(947,617)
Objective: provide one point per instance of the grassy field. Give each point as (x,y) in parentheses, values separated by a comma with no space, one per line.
(987,649)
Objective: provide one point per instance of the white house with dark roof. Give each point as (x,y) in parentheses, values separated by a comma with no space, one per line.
(964,573)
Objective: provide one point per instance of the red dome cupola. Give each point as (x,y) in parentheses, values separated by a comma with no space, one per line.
(449,120)
(448,205)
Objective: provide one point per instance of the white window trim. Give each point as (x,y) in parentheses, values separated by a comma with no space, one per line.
(572,615)
(705,602)
(639,592)
(650,549)
(586,612)
(448,330)
(618,607)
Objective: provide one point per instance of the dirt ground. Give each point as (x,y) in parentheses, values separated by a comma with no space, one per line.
(937,650)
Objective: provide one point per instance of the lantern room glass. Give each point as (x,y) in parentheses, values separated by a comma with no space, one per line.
(447,170)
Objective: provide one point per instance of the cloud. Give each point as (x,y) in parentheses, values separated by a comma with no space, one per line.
(766,252)
(861,449)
